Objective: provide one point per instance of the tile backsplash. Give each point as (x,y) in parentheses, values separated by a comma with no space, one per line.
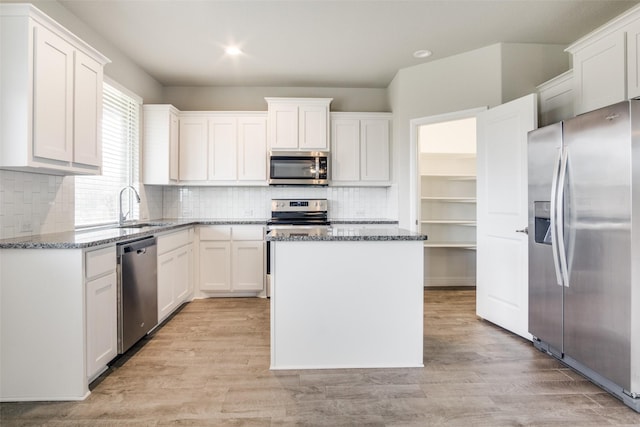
(254,202)
(35,203)
(39,204)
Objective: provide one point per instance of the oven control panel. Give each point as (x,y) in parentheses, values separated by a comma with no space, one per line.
(298,205)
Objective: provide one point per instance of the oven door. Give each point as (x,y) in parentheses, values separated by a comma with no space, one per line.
(298,168)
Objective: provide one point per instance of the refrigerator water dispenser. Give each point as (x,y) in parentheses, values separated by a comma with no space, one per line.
(542,214)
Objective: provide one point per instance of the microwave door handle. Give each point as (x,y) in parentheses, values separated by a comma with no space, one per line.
(317,167)
(554,218)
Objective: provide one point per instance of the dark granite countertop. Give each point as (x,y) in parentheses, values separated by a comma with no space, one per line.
(347,234)
(351,221)
(97,236)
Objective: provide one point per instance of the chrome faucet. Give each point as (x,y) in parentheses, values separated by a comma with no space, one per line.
(124,216)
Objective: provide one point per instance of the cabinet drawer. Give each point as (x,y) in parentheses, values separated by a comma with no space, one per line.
(248,233)
(215,233)
(169,242)
(100,261)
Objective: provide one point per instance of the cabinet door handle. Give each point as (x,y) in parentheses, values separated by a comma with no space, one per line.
(524,230)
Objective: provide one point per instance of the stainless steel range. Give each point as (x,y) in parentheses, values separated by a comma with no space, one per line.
(298,213)
(296,217)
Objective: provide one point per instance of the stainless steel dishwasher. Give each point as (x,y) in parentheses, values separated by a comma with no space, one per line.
(137,291)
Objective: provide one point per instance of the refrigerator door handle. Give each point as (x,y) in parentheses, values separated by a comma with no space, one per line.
(562,250)
(553,217)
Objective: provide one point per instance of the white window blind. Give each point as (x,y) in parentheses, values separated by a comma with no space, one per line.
(96,197)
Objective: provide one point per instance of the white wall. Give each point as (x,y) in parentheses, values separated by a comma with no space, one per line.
(252,98)
(455,136)
(525,66)
(460,82)
(487,76)
(121,69)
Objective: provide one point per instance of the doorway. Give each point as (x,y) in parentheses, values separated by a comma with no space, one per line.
(444,149)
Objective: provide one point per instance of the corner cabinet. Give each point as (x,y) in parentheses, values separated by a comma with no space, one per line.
(606,64)
(160,144)
(299,123)
(360,149)
(204,148)
(63,321)
(50,95)
(448,217)
(231,260)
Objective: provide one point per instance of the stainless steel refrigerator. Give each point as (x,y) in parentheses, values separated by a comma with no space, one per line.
(584,245)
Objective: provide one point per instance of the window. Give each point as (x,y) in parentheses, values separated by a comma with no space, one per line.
(96,197)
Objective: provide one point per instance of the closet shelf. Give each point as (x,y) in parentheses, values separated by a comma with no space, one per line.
(460,245)
(450,177)
(450,199)
(466,222)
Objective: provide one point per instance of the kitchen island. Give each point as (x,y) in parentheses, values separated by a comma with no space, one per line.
(349,298)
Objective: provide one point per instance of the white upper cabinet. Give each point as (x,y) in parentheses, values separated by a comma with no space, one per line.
(299,123)
(605,63)
(52,87)
(87,128)
(252,149)
(374,150)
(600,73)
(633,59)
(50,96)
(223,148)
(555,99)
(193,149)
(360,149)
(160,144)
(345,149)
(238,149)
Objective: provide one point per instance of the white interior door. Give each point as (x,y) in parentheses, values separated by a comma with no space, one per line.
(502,251)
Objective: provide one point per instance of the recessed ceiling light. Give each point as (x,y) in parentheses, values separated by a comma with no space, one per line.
(424,53)
(233,50)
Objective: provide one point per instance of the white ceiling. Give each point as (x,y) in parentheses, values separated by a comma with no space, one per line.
(323,43)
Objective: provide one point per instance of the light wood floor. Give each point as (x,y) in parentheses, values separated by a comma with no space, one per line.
(209,365)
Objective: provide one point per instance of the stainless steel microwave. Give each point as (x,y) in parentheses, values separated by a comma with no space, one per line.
(299,168)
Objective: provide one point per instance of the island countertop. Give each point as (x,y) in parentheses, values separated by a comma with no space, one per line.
(347,234)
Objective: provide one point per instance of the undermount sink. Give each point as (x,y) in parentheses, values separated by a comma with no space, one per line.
(144,224)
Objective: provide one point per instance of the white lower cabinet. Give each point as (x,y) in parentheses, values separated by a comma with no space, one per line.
(232,259)
(175,253)
(247,260)
(102,324)
(101,309)
(215,266)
